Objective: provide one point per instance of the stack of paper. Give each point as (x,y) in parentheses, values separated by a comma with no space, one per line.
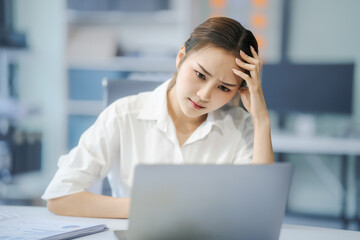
(22,228)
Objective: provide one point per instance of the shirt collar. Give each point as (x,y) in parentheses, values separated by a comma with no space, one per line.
(215,118)
(156,104)
(156,109)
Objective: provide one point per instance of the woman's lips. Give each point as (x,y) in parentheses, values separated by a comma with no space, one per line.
(195,105)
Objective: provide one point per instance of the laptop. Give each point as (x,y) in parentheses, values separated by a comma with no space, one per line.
(194,202)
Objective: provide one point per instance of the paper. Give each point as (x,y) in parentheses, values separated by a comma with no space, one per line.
(23,228)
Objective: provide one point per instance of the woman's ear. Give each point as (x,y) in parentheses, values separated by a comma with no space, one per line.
(180,56)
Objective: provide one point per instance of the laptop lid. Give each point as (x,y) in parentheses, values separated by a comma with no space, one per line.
(209,201)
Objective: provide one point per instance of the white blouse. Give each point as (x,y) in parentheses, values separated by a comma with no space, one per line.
(138,130)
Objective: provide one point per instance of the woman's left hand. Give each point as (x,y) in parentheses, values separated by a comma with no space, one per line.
(252,96)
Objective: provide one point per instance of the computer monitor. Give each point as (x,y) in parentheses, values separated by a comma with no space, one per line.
(309,88)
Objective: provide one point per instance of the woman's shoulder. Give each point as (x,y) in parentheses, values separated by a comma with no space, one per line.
(234,112)
(135,103)
(233,117)
(130,105)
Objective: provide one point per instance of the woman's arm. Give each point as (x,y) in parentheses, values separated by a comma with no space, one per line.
(86,204)
(254,101)
(262,150)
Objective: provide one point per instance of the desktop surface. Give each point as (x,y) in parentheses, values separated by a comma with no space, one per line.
(288,232)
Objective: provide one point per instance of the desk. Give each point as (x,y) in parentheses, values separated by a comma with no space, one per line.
(291,143)
(288,232)
(344,147)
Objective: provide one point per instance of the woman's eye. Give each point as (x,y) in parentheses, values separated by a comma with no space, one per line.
(200,75)
(224,89)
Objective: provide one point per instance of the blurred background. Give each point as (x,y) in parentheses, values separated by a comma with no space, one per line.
(54,55)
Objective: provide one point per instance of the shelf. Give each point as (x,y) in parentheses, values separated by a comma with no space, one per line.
(11,108)
(165,17)
(85,107)
(13,54)
(153,61)
(127,64)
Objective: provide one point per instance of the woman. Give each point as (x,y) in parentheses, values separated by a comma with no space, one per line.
(187,120)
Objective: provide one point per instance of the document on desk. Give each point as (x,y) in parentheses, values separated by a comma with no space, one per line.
(27,227)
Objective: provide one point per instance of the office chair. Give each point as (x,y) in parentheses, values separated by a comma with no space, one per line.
(113,90)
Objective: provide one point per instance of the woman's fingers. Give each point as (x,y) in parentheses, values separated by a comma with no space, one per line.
(253,60)
(245,66)
(249,67)
(243,75)
(256,56)
(254,52)
(253,66)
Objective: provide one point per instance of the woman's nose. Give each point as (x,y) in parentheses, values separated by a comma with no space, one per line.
(204,92)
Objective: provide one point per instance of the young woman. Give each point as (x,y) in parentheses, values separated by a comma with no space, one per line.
(186,120)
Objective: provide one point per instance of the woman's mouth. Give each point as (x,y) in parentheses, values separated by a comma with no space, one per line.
(195,105)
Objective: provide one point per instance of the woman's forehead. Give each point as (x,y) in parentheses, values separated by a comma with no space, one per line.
(210,50)
(216,61)
(214,57)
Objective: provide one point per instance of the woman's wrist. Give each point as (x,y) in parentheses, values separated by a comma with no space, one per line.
(263,120)
(124,207)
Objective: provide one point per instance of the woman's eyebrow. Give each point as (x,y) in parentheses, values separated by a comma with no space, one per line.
(204,70)
(227,84)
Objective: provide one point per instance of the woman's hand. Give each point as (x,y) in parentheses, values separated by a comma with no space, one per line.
(254,101)
(252,96)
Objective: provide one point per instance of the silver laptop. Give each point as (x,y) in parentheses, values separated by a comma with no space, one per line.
(208,202)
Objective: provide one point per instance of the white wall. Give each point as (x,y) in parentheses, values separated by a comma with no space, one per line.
(327,31)
(42,74)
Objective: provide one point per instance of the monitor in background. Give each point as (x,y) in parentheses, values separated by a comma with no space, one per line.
(308,90)
(316,88)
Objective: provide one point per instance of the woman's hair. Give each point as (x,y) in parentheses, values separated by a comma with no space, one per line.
(224,33)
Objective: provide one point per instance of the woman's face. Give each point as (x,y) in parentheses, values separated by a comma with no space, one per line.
(205,81)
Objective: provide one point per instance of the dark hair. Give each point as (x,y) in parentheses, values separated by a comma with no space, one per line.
(224,33)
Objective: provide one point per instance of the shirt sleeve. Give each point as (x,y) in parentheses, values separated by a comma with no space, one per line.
(90,160)
(244,153)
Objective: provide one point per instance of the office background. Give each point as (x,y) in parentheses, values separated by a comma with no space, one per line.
(51,81)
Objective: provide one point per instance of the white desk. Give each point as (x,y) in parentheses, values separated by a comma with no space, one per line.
(288,232)
(292,143)
(344,147)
